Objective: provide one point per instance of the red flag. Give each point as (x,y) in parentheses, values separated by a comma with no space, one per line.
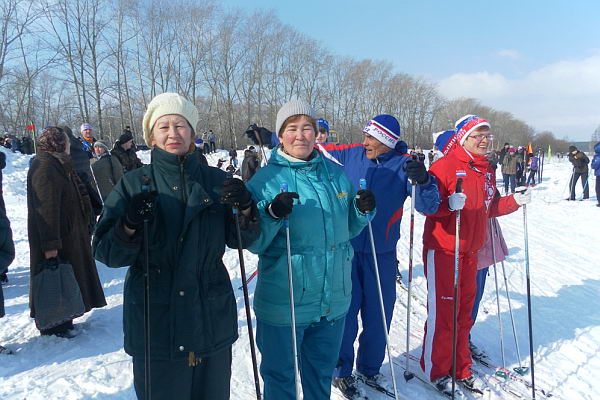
(30,127)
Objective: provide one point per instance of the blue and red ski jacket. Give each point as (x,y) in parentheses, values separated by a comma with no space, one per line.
(388,181)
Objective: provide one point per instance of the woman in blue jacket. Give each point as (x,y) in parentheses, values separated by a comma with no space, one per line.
(326,215)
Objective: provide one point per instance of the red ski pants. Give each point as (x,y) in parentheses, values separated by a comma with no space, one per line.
(436,359)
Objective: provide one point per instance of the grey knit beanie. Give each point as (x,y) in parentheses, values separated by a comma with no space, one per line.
(291,108)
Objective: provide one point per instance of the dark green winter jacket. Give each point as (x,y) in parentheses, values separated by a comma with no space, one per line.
(192,307)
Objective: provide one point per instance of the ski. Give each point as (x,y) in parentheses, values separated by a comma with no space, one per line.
(505,373)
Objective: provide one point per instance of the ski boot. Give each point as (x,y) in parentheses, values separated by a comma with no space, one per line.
(473,384)
(444,385)
(378,382)
(478,354)
(349,388)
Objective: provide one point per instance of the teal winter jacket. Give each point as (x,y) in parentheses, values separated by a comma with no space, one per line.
(321,224)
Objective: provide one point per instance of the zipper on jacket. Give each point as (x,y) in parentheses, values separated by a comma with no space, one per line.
(183,182)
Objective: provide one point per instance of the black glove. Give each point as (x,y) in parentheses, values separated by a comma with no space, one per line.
(417,172)
(365,201)
(281,206)
(140,208)
(236,194)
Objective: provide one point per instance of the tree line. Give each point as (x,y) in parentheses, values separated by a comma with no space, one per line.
(102,61)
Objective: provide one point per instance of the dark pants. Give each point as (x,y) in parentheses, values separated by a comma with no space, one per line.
(318,344)
(531,177)
(213,147)
(598,189)
(509,178)
(209,380)
(481,276)
(584,184)
(365,299)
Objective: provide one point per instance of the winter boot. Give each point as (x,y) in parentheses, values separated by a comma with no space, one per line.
(378,382)
(477,353)
(4,350)
(473,384)
(349,387)
(444,385)
(3,278)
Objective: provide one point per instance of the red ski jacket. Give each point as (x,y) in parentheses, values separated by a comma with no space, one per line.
(479,184)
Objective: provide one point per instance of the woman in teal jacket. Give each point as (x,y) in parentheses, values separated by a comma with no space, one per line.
(323,218)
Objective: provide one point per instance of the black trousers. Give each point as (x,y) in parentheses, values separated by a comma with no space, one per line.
(176,380)
(584,184)
(598,189)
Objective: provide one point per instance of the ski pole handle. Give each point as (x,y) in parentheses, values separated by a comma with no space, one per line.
(145,183)
(362,183)
(235,208)
(459,186)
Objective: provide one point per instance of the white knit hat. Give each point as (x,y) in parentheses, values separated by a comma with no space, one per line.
(165,104)
(291,108)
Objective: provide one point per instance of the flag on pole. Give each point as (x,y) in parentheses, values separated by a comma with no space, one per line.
(30,127)
(549,152)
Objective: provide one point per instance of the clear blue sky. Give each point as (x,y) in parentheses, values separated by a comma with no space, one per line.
(515,41)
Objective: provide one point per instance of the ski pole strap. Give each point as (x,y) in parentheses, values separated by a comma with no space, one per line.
(283,187)
(234,209)
(459,183)
(362,184)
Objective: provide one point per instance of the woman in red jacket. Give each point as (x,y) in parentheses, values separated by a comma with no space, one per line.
(465,160)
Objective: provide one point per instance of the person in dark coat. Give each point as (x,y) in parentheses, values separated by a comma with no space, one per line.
(107,169)
(59,220)
(124,150)
(7,255)
(596,168)
(3,277)
(250,164)
(503,152)
(80,159)
(580,170)
(193,313)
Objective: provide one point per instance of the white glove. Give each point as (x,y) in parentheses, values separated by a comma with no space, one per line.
(456,201)
(522,195)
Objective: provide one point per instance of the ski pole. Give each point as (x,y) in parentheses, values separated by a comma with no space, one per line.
(455,296)
(521,370)
(262,149)
(147,376)
(491,225)
(286,224)
(236,210)
(529,302)
(252,276)
(407,374)
(363,185)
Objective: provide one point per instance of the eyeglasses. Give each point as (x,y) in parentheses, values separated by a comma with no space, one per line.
(479,138)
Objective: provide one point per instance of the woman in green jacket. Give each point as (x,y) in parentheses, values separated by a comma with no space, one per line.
(193,313)
(324,215)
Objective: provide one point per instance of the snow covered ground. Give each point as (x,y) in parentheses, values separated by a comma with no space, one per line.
(565,276)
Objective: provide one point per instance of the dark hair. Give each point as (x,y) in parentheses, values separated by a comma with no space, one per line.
(53,139)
